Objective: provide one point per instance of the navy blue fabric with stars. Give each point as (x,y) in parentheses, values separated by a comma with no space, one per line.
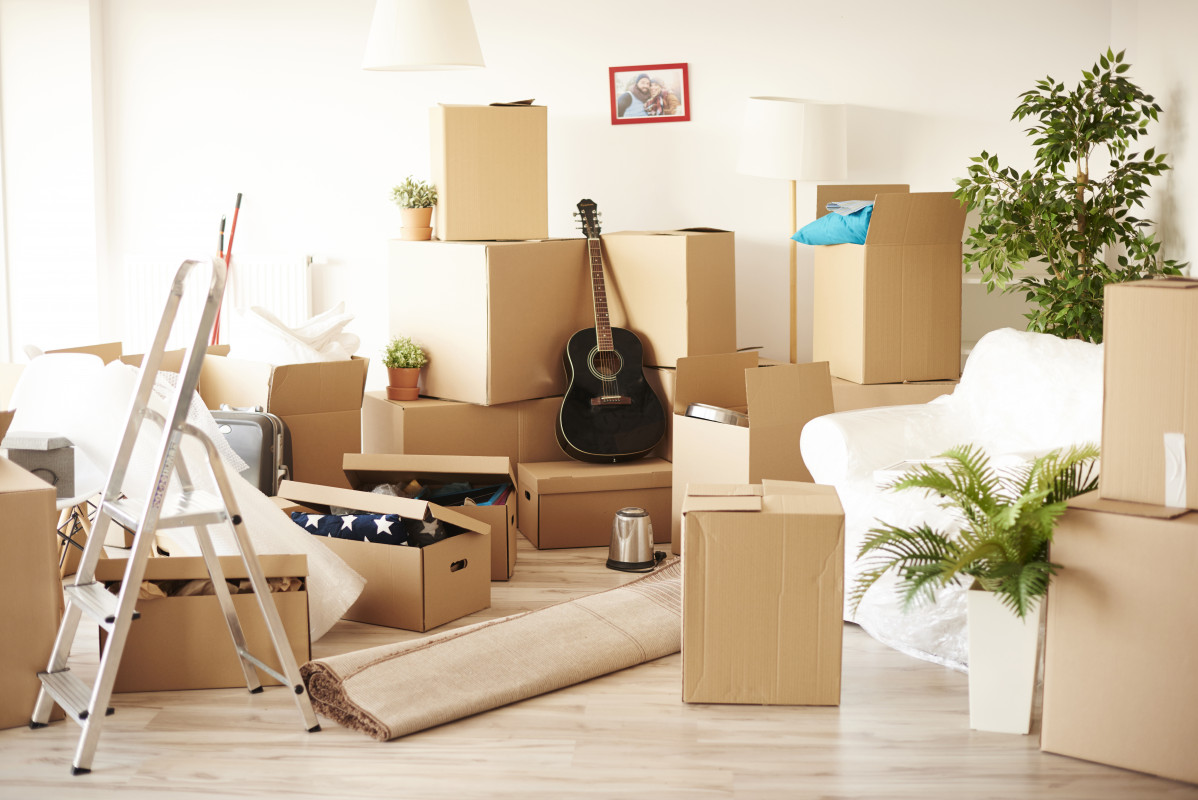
(379,528)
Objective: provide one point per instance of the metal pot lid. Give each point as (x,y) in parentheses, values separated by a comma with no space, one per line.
(717,414)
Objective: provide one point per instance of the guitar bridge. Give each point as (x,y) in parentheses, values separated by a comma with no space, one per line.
(611,400)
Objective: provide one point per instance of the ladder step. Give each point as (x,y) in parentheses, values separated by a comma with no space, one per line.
(191,509)
(96,601)
(72,694)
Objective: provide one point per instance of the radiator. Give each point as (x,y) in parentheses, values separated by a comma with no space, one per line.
(280,285)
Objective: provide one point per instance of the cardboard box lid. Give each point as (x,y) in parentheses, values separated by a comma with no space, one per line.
(185,568)
(1167,282)
(107,351)
(288,389)
(1092,502)
(360,468)
(452,106)
(770,496)
(377,504)
(680,233)
(562,477)
(920,218)
(716,380)
(721,497)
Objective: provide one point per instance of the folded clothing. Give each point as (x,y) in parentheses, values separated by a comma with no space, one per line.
(847,224)
(376,528)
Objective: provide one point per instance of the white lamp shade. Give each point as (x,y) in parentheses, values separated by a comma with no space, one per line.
(795,139)
(422,34)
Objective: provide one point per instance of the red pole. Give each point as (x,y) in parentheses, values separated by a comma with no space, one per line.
(228,256)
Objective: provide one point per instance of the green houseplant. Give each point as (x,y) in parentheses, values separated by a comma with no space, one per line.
(403,359)
(415,200)
(1071,215)
(1006,520)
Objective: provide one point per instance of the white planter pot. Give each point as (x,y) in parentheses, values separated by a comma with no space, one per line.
(1003,654)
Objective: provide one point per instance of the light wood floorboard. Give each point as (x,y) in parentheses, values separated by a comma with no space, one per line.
(901,731)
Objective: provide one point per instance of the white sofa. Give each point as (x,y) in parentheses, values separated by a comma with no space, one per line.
(1020,394)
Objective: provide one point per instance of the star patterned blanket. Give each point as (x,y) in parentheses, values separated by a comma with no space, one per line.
(377,528)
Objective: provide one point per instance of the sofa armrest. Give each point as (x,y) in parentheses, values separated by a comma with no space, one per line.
(850,445)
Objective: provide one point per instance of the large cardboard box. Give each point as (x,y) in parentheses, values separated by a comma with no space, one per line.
(676,290)
(1121,658)
(184,642)
(522,431)
(479,471)
(32,593)
(490,167)
(1150,393)
(890,310)
(321,403)
(573,504)
(494,317)
(849,396)
(762,594)
(413,588)
(779,400)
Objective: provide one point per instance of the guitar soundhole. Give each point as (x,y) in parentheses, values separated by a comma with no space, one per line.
(605,364)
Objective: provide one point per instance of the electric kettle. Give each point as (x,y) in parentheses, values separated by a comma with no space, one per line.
(631,547)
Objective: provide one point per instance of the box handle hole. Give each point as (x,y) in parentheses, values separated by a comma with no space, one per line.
(457,565)
(527,496)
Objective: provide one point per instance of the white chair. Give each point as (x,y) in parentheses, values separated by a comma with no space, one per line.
(1021,394)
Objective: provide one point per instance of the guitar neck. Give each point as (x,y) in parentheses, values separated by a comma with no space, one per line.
(599,292)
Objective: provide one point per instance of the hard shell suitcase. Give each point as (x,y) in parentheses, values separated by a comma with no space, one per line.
(263,441)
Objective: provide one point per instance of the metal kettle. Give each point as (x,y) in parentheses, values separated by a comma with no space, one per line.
(631,548)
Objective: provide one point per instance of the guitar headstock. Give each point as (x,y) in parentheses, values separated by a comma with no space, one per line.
(588,217)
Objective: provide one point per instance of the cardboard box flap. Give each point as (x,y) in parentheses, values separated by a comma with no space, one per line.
(716,380)
(5,421)
(921,218)
(362,468)
(723,490)
(782,400)
(239,383)
(1165,282)
(561,477)
(377,504)
(326,386)
(184,568)
(721,497)
(1092,502)
(839,193)
(108,352)
(17,479)
(512,104)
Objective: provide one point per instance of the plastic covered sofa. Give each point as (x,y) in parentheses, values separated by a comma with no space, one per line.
(1021,394)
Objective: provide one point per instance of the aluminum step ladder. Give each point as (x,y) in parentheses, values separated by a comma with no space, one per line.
(195,508)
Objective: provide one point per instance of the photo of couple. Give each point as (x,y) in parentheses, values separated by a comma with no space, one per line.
(652,93)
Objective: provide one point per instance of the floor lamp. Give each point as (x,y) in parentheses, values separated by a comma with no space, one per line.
(798,140)
(422,35)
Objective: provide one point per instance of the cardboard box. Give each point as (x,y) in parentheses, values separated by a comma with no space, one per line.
(1120,650)
(494,317)
(890,310)
(184,642)
(320,402)
(676,290)
(762,594)
(1150,400)
(413,588)
(779,400)
(32,590)
(479,471)
(490,167)
(572,503)
(849,396)
(522,431)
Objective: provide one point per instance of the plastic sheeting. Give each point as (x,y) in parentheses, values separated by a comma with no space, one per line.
(1021,394)
(261,336)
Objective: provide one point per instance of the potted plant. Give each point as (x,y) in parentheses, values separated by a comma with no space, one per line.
(1006,523)
(1072,224)
(415,200)
(403,359)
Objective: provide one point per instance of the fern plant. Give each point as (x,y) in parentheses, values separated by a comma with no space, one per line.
(1007,519)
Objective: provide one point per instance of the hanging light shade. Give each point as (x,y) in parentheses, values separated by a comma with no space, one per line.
(794,139)
(422,35)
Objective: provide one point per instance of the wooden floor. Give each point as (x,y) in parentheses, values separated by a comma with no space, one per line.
(901,731)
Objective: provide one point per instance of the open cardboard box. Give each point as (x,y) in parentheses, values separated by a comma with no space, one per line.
(413,588)
(889,310)
(184,642)
(364,469)
(779,400)
(849,396)
(762,594)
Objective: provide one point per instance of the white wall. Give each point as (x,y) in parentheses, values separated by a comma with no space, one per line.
(206,99)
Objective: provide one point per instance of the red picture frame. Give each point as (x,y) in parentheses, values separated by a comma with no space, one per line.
(649,93)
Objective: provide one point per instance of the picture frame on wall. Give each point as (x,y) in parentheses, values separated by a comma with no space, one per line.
(649,93)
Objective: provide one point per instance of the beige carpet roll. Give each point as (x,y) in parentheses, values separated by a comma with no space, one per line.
(393,690)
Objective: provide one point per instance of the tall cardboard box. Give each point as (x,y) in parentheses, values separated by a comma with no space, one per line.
(490,167)
(33,592)
(522,431)
(676,290)
(573,504)
(762,594)
(320,402)
(413,588)
(478,471)
(849,396)
(1121,658)
(494,317)
(889,310)
(1150,393)
(184,642)
(779,400)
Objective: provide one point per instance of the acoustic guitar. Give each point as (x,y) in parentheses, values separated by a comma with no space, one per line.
(609,412)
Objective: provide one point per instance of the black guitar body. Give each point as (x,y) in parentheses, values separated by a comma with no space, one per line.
(609,412)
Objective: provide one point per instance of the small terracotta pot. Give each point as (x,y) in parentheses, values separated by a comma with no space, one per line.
(416,224)
(403,383)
